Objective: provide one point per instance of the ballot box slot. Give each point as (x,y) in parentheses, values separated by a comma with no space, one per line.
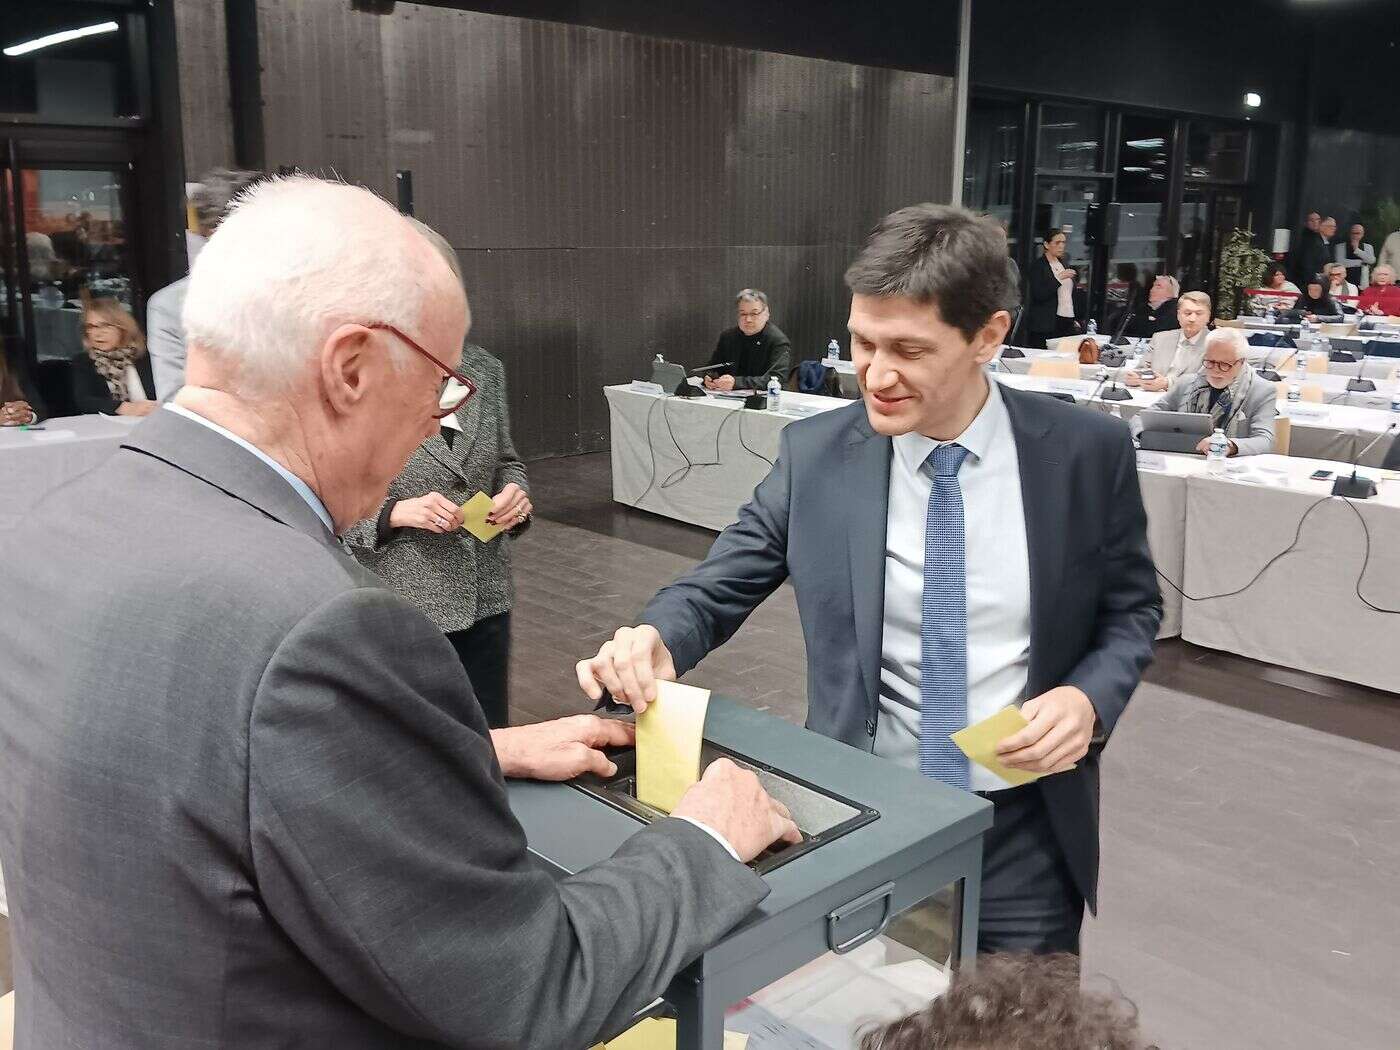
(820,815)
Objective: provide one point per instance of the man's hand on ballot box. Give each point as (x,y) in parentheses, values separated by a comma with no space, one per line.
(561,749)
(627,667)
(730,800)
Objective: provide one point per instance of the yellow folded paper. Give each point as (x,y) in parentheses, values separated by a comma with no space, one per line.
(474,513)
(979,743)
(659,1033)
(669,732)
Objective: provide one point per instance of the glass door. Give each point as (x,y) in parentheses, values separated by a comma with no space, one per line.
(1208,216)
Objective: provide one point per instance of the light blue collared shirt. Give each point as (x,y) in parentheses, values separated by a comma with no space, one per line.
(302,488)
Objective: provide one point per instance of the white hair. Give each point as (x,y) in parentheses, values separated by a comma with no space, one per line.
(1234,337)
(294,258)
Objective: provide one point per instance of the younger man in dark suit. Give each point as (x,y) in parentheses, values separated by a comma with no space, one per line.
(956,547)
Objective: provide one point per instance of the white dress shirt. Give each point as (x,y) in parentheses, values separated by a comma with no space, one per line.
(997,574)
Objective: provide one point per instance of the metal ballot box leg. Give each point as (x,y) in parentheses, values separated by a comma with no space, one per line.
(931,910)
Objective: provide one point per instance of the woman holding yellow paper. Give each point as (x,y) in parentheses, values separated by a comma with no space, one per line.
(416,542)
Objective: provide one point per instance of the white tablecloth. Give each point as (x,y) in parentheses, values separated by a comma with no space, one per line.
(1303,611)
(34,461)
(730,450)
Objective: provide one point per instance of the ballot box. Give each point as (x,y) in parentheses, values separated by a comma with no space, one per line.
(866,917)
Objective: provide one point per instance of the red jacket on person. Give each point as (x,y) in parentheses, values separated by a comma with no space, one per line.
(1386,296)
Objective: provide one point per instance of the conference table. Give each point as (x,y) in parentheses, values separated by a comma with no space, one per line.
(694,461)
(34,460)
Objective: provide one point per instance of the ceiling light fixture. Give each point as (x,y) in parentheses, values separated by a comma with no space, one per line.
(1253,100)
(62,37)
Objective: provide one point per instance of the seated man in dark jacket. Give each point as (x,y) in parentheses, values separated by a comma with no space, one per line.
(753,351)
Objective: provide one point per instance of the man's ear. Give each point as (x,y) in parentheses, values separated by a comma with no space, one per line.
(991,335)
(346,366)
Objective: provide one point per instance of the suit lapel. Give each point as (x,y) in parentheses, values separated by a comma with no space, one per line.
(455,457)
(1044,500)
(866,492)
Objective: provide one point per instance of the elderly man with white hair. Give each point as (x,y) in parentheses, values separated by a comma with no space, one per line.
(1226,388)
(248,799)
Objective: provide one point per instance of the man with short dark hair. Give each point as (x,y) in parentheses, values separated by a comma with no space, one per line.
(753,350)
(956,547)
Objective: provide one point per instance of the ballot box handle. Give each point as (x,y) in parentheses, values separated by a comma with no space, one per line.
(884,894)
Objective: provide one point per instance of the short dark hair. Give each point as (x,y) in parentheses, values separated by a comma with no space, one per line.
(1016,1001)
(939,254)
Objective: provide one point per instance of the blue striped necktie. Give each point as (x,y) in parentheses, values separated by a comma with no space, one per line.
(943,633)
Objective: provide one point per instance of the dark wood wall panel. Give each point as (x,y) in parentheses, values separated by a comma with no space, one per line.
(206,121)
(609,192)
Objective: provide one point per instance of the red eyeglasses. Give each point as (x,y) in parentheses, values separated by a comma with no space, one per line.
(448,374)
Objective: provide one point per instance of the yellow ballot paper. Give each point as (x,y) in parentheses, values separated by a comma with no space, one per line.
(668,744)
(659,1033)
(979,743)
(474,513)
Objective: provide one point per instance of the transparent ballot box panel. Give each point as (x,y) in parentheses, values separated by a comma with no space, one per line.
(832,1001)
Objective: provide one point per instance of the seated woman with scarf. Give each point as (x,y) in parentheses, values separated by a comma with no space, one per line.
(114,376)
(1230,392)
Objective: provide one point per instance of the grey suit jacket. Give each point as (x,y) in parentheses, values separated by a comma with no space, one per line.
(1166,361)
(249,801)
(1251,425)
(165,337)
(819,518)
(452,578)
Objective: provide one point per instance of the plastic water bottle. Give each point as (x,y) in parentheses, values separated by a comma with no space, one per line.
(1300,365)
(1093,327)
(1295,393)
(833,351)
(1219,449)
(775,390)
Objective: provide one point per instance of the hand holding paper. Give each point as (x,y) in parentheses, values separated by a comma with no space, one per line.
(474,513)
(669,734)
(1060,725)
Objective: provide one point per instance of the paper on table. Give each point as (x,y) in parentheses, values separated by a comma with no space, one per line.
(669,732)
(474,513)
(979,743)
(659,1033)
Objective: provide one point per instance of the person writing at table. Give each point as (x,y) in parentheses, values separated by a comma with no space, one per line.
(1230,392)
(1050,295)
(1176,353)
(754,351)
(1382,298)
(114,376)
(17,403)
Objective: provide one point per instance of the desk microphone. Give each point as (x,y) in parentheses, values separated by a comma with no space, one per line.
(1116,392)
(1356,487)
(1361,385)
(1268,372)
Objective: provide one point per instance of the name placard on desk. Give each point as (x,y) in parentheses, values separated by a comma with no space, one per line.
(1152,461)
(637,386)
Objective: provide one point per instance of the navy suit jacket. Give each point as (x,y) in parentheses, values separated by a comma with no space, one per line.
(819,518)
